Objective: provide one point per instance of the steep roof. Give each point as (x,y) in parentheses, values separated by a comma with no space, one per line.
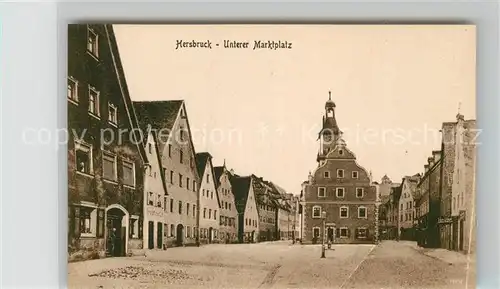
(241,188)
(218,173)
(201,162)
(396,194)
(160,114)
(158,156)
(122,83)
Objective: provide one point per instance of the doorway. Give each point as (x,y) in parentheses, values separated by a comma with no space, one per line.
(180,235)
(210,234)
(330,234)
(159,236)
(116,233)
(461,240)
(151,235)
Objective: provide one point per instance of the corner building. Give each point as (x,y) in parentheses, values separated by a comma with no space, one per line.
(340,187)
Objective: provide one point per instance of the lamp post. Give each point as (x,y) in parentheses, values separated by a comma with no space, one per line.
(323,216)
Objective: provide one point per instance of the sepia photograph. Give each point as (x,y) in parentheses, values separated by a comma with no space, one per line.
(271,156)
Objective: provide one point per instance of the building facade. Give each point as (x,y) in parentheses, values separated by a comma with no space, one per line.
(155,194)
(105,173)
(406,218)
(342,189)
(170,120)
(464,187)
(267,207)
(208,200)
(392,207)
(228,226)
(248,216)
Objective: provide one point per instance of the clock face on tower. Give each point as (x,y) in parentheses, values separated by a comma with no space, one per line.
(327,137)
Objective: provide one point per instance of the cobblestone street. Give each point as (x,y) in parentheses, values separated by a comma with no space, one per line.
(279,265)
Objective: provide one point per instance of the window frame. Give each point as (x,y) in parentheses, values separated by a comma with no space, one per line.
(347,211)
(366,212)
(343,173)
(337,192)
(74,90)
(326,174)
(112,106)
(346,229)
(357,174)
(134,181)
(106,154)
(321,189)
(362,192)
(82,146)
(313,210)
(96,113)
(94,49)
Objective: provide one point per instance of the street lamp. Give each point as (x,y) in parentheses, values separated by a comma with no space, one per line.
(323,216)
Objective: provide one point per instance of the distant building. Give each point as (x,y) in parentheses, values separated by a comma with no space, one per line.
(428,203)
(105,176)
(170,120)
(267,206)
(248,216)
(228,214)
(392,211)
(208,200)
(340,187)
(406,222)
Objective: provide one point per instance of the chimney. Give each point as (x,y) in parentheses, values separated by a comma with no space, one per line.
(426,168)
(436,155)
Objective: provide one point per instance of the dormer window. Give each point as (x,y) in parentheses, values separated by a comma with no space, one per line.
(359,192)
(341,152)
(326,174)
(355,175)
(340,173)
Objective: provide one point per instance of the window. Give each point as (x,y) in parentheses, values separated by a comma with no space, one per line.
(340,192)
(112,114)
(194,186)
(203,192)
(187,183)
(180,180)
(344,232)
(359,192)
(194,210)
(362,212)
(187,208)
(340,173)
(401,207)
(208,178)
(326,174)
(316,232)
(83,158)
(172,177)
(316,212)
(344,212)
(229,206)
(211,195)
(93,101)
(204,213)
(108,166)
(171,206)
(355,175)
(88,221)
(150,148)
(361,233)
(128,174)
(321,192)
(215,214)
(181,156)
(172,230)
(210,213)
(169,150)
(72,89)
(188,231)
(165,201)
(165,230)
(180,207)
(151,200)
(158,201)
(92,42)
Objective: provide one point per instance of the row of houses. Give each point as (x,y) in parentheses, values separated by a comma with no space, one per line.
(136,182)
(437,207)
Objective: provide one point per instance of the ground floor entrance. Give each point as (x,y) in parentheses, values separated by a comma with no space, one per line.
(116,233)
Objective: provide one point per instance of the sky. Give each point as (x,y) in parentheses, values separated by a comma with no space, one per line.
(261,110)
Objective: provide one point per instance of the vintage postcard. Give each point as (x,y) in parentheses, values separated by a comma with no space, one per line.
(271,156)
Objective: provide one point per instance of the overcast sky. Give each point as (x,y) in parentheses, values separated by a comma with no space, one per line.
(261,110)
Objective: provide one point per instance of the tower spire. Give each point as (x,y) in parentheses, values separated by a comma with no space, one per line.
(224,164)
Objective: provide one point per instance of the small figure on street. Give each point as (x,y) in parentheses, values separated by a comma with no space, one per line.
(112,240)
(329,244)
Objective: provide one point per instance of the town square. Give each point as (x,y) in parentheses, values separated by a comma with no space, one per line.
(152,206)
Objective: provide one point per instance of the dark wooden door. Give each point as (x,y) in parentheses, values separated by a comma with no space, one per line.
(151,235)
(461,241)
(159,236)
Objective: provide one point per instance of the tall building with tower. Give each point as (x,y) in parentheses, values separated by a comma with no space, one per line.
(341,188)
